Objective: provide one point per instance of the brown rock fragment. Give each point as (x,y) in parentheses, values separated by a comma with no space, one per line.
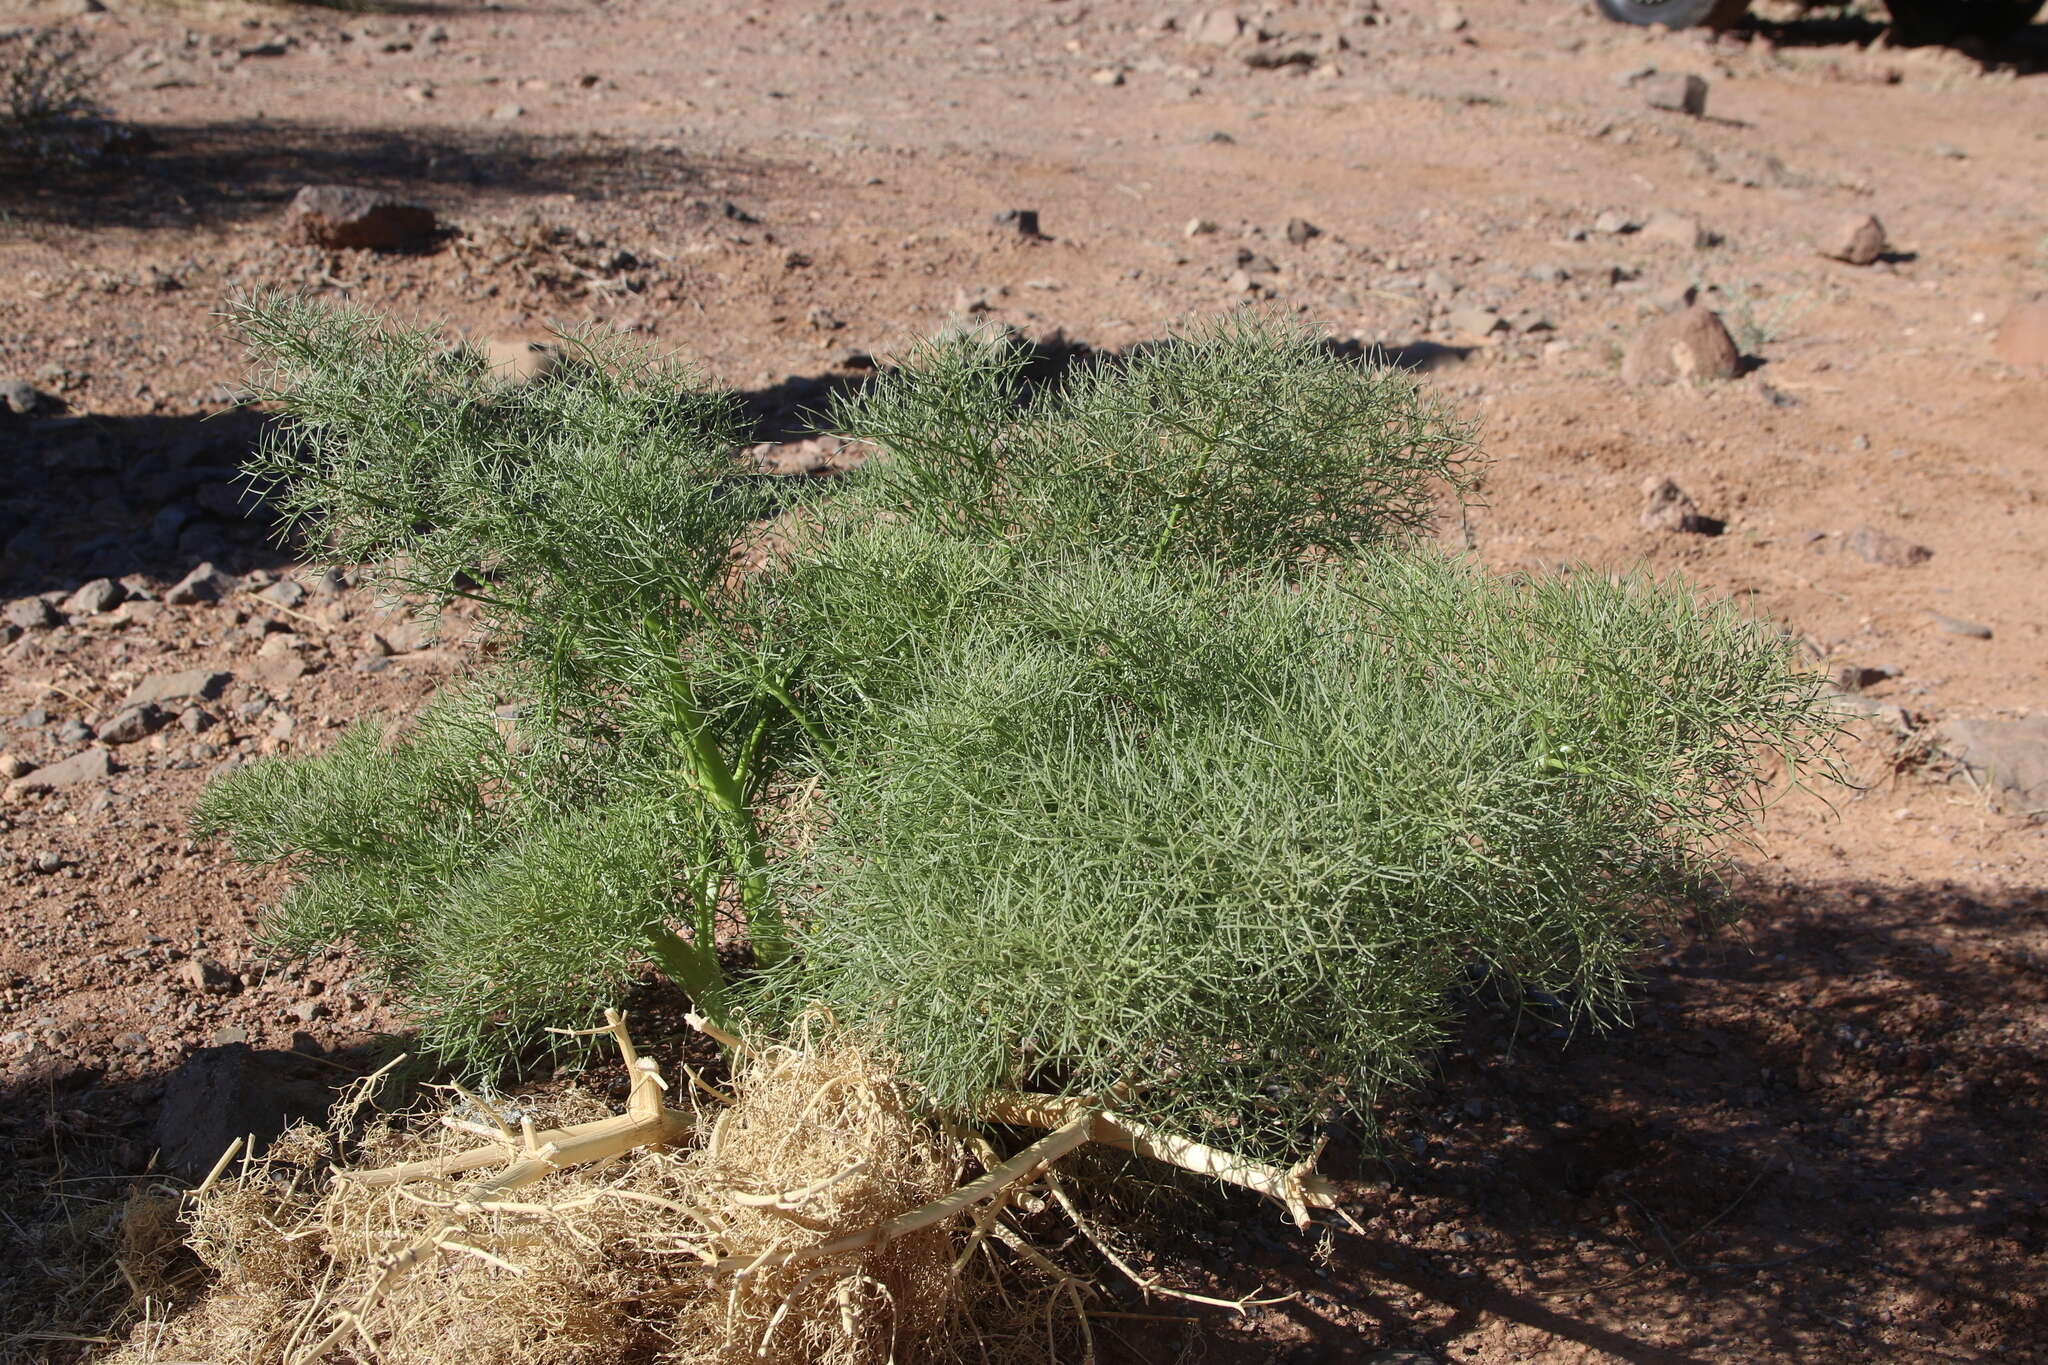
(1677,229)
(1216,28)
(1680,92)
(1882,547)
(1689,344)
(1956,625)
(1859,240)
(511,360)
(2006,758)
(345,217)
(198,683)
(1667,507)
(91,765)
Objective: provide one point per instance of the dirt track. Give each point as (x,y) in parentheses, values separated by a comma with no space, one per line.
(1821,1144)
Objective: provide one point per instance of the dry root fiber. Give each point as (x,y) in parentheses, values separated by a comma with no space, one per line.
(809,1216)
(683,1253)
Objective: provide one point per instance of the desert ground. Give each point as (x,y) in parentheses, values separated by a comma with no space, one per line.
(1821,1139)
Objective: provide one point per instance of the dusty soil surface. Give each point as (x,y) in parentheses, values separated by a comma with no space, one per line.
(1821,1141)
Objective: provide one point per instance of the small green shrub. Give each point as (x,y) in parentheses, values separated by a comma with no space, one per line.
(1116,734)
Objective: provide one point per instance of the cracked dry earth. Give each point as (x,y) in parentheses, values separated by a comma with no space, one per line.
(1821,1141)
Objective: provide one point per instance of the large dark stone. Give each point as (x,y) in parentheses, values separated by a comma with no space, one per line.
(343,216)
(222,1093)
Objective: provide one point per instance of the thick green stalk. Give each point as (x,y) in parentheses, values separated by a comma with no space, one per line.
(714,778)
(693,966)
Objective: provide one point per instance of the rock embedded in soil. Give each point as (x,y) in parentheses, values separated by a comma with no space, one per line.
(1956,625)
(1300,231)
(1023,222)
(1858,239)
(90,599)
(198,684)
(202,975)
(1882,547)
(32,613)
(1680,92)
(224,1093)
(1216,28)
(2022,338)
(204,584)
(20,397)
(90,765)
(2009,758)
(1690,344)
(514,360)
(1856,677)
(1677,229)
(285,592)
(136,722)
(1475,322)
(345,217)
(1667,507)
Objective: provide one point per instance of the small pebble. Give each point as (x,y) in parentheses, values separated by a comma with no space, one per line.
(1956,625)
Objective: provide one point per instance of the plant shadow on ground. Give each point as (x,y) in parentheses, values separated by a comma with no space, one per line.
(81,1134)
(106,496)
(76,1146)
(219,174)
(796,408)
(102,497)
(1818,1139)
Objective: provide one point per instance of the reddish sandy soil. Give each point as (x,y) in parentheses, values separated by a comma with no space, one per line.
(1821,1142)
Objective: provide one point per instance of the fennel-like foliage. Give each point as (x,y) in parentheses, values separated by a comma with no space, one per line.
(1114,736)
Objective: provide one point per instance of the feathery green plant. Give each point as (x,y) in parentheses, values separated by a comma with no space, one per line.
(1245,444)
(593,522)
(1225,843)
(1113,734)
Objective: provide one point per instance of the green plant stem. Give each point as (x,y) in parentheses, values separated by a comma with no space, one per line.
(714,777)
(694,967)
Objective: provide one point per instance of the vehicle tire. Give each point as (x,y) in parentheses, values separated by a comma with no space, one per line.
(1675,13)
(1942,21)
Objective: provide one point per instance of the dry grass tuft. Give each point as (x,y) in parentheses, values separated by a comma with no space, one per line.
(675,1254)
